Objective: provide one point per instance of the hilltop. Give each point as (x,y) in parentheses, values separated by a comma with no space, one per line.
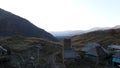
(103,37)
(11,25)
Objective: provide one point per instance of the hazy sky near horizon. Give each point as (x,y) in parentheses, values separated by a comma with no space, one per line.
(61,15)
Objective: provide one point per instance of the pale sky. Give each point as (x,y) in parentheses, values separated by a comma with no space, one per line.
(61,15)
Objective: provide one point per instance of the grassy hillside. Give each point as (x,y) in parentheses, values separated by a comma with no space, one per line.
(23,48)
(20,43)
(103,37)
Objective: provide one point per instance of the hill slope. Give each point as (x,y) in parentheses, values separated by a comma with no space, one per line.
(103,37)
(11,25)
(22,49)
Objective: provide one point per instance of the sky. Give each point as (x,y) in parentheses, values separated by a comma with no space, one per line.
(62,15)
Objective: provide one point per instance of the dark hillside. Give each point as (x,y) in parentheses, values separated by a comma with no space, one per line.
(11,25)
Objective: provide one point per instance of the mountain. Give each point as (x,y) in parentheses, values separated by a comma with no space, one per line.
(116,27)
(103,37)
(98,28)
(67,33)
(78,32)
(11,24)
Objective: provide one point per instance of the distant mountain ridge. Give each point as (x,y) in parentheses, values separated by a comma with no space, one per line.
(78,32)
(11,24)
(67,33)
(116,27)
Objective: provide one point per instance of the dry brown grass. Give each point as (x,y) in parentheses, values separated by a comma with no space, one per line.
(103,37)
